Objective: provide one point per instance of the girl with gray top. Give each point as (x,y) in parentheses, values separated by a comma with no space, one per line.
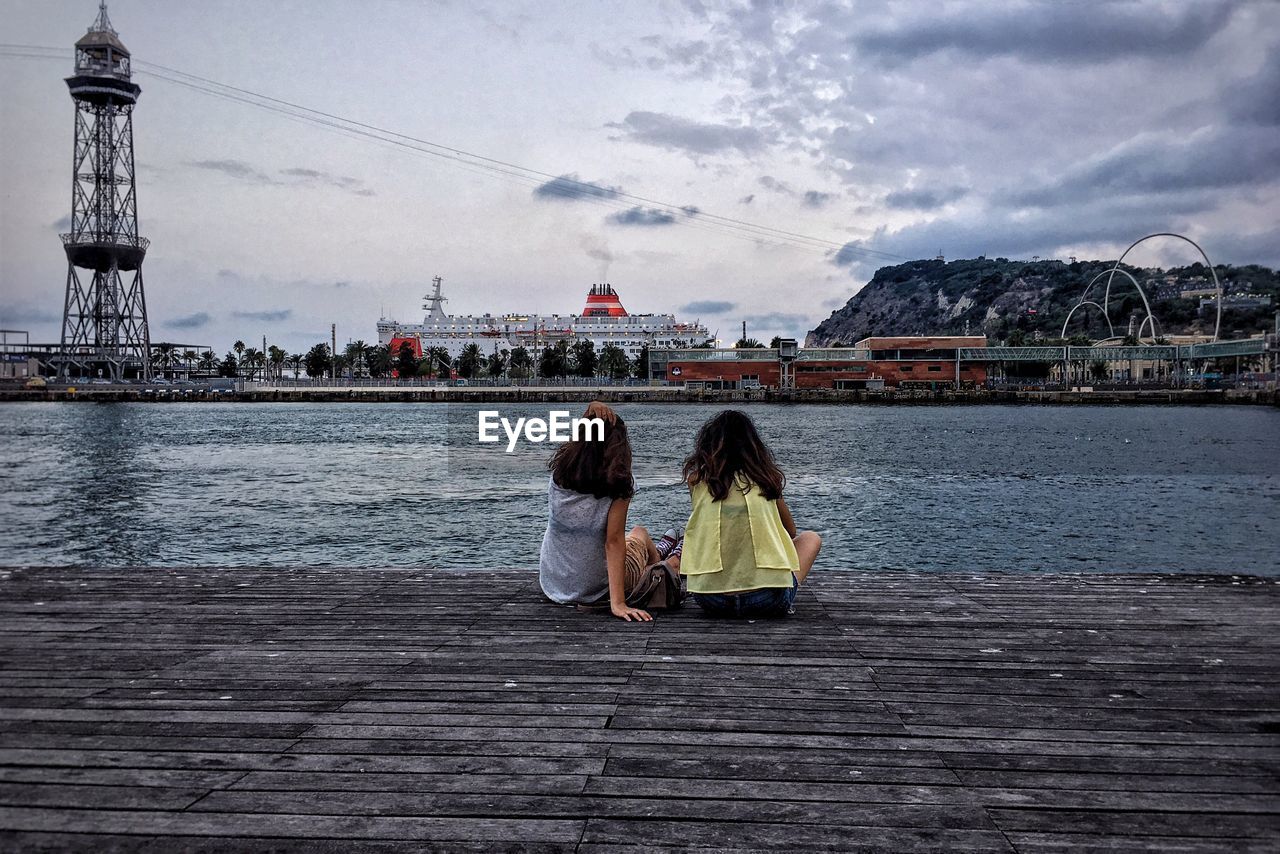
(587,556)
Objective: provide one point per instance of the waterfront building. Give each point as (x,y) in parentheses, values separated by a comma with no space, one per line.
(872,363)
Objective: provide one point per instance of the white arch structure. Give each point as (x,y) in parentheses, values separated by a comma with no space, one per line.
(1111,330)
(1150,318)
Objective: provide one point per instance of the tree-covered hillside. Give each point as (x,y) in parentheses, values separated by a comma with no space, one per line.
(997,296)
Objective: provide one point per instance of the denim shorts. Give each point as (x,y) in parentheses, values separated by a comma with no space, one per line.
(765,602)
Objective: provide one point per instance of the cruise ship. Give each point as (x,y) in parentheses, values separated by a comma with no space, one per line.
(603,321)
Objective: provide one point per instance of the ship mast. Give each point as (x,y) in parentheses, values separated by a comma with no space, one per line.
(434,303)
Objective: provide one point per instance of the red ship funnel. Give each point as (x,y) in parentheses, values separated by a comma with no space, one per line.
(602,301)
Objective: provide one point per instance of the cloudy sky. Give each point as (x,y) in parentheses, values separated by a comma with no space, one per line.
(726,161)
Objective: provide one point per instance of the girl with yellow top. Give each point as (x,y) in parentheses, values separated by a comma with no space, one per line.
(743,556)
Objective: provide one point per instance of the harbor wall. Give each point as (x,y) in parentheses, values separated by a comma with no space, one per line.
(628,394)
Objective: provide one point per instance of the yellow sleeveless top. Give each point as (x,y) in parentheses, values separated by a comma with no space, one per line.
(736,544)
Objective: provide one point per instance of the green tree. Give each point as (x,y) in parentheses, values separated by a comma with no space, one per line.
(295,361)
(1098,370)
(239,348)
(469,361)
(341,366)
(276,358)
(497,364)
(554,361)
(584,358)
(357,355)
(208,361)
(252,361)
(438,362)
(229,366)
(319,361)
(406,361)
(164,356)
(748,344)
(1017,338)
(379,360)
(775,342)
(640,367)
(521,363)
(613,362)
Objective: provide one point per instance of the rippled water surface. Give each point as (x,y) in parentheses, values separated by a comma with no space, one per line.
(931,488)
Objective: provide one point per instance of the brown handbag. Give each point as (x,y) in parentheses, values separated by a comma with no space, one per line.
(660,588)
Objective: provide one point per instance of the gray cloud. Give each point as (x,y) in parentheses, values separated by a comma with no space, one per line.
(774,185)
(642,216)
(1061,126)
(1162,163)
(816,198)
(296,176)
(570,187)
(694,138)
(318,178)
(15,314)
(270,316)
(1052,32)
(62,224)
(233,168)
(922,199)
(777,320)
(1015,234)
(190,321)
(747,199)
(1253,100)
(708,306)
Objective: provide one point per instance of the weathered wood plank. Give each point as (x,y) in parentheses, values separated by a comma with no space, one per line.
(350,710)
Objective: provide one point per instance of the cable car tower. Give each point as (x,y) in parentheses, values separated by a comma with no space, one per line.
(104,319)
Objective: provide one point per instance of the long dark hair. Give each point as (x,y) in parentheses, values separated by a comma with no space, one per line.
(727,446)
(595,467)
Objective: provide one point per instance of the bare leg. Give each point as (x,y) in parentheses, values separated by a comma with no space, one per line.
(641,533)
(808,544)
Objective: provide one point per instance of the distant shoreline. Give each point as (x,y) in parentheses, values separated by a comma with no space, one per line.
(634,394)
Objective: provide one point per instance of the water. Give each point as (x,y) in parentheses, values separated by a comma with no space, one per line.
(954,488)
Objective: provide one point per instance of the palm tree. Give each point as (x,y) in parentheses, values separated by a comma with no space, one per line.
(239,348)
(438,359)
(640,365)
(294,361)
(340,365)
(276,357)
(165,356)
(189,360)
(357,353)
(614,362)
(585,360)
(208,361)
(379,360)
(498,364)
(469,361)
(253,360)
(521,363)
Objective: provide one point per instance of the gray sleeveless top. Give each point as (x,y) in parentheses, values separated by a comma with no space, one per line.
(572,568)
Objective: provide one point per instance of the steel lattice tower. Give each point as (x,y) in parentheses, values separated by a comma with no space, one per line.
(104,320)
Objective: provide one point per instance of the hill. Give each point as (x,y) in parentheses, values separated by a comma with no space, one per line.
(998,296)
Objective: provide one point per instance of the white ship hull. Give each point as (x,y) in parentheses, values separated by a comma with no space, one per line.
(603,321)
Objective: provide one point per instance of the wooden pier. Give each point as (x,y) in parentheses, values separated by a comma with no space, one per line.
(378,710)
